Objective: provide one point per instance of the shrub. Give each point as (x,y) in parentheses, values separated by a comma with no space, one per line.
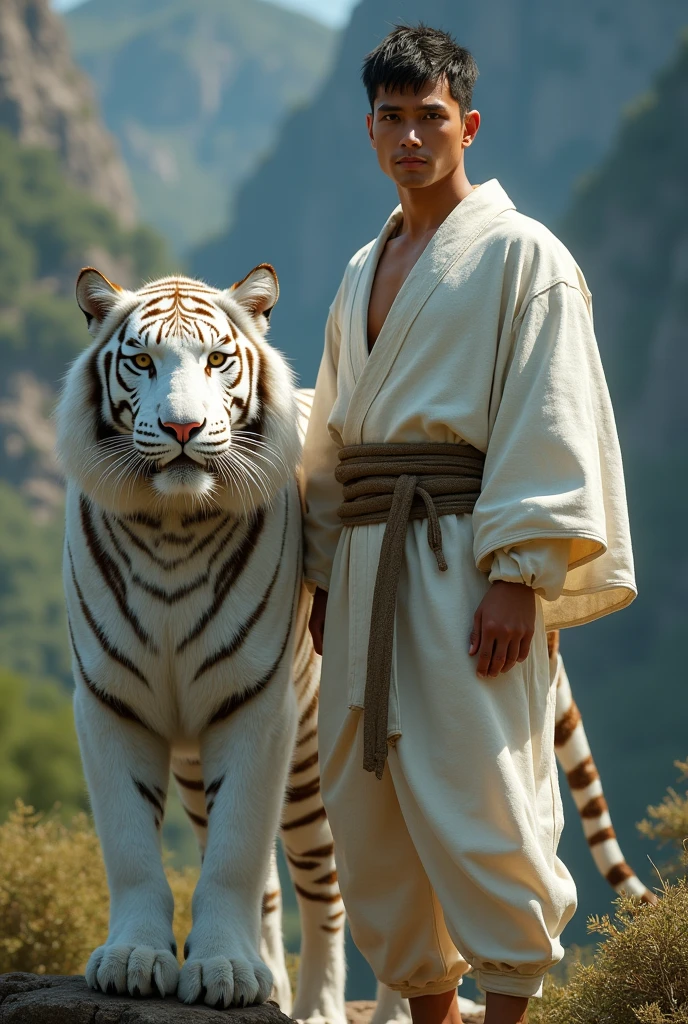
(54,895)
(669,822)
(639,972)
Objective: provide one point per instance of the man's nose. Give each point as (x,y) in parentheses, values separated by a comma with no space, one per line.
(182,431)
(411,139)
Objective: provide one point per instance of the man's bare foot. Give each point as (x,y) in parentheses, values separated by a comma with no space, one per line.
(441,1009)
(503,1009)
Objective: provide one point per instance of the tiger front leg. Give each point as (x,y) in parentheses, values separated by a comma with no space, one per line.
(127,769)
(245,761)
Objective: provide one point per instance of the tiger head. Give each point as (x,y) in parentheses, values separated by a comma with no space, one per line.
(179,400)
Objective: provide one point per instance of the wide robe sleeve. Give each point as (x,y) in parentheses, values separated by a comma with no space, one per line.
(322,525)
(553,466)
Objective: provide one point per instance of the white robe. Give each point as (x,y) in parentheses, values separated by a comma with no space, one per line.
(489,341)
(450,859)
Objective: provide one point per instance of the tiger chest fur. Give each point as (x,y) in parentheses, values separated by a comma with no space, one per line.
(177,617)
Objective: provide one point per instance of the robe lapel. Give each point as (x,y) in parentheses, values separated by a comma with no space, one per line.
(449,243)
(358,308)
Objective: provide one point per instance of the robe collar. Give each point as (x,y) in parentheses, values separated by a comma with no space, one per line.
(455,235)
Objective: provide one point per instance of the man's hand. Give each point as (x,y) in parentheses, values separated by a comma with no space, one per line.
(503,627)
(316,623)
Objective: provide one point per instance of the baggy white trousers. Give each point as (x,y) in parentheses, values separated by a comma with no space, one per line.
(449,861)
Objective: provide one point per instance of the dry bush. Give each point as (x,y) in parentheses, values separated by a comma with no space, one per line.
(639,972)
(669,821)
(54,897)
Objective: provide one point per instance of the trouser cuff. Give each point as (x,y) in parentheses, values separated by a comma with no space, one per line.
(510,984)
(436,989)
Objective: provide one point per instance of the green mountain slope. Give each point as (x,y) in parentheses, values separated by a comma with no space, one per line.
(48,230)
(553,81)
(46,101)
(33,625)
(195,90)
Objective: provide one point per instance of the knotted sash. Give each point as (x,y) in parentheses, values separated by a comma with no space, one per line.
(381,484)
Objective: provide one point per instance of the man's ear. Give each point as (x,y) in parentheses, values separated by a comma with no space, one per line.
(96,297)
(258,291)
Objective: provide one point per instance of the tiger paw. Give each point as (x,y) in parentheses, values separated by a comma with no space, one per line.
(224,981)
(139,970)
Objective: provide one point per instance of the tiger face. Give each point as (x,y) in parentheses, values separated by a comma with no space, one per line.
(179,399)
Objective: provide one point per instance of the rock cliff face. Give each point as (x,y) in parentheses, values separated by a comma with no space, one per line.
(195,91)
(554,79)
(628,227)
(46,101)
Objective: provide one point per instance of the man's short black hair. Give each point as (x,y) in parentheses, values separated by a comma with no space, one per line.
(414,54)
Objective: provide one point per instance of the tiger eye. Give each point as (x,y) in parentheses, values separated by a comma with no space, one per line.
(216,358)
(143,361)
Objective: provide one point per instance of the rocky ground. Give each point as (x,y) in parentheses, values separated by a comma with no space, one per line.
(51,999)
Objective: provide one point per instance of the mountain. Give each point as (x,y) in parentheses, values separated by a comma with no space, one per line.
(48,230)
(628,223)
(628,229)
(195,91)
(554,80)
(46,101)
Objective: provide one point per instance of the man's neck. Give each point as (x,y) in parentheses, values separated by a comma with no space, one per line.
(424,209)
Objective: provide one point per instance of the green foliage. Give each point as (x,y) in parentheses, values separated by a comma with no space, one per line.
(33,629)
(639,973)
(54,897)
(48,230)
(39,754)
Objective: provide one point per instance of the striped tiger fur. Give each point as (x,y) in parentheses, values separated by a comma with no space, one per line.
(179,434)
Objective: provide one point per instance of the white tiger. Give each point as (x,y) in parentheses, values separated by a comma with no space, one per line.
(178,430)
(180,433)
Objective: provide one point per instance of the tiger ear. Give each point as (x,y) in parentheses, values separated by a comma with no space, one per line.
(258,291)
(96,296)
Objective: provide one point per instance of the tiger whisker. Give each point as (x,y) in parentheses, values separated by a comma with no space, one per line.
(241,438)
(251,471)
(235,481)
(260,455)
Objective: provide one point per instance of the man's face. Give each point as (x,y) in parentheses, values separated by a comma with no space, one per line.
(419,138)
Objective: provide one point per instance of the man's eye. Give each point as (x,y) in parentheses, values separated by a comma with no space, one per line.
(143,361)
(216,359)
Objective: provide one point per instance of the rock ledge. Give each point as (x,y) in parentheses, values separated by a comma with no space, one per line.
(53,999)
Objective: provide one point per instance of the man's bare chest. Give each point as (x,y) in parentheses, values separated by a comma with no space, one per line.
(394,266)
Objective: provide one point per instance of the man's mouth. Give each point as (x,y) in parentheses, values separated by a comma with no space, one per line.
(411,160)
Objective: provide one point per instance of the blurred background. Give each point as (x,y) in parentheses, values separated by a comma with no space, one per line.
(144,136)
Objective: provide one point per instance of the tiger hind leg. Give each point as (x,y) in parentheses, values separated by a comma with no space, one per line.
(187,772)
(390,1007)
(309,850)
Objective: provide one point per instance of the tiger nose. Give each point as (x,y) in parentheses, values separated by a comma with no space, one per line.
(183,431)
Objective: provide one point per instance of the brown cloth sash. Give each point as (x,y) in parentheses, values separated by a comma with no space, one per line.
(382,485)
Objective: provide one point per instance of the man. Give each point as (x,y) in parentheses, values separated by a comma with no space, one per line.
(464,493)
